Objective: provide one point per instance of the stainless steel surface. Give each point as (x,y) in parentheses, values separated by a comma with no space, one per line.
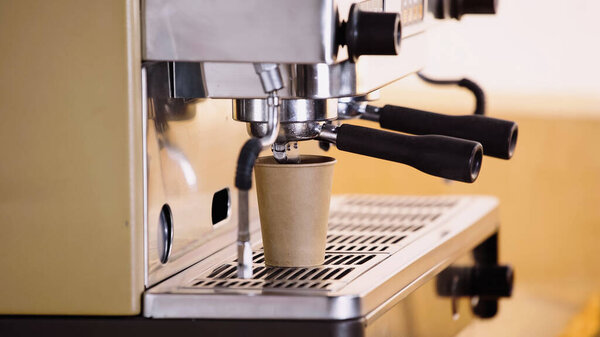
(292,110)
(273,123)
(299,119)
(244,260)
(184,170)
(318,81)
(410,239)
(422,314)
(286,153)
(328,133)
(144,85)
(357,107)
(270,76)
(276,31)
(288,132)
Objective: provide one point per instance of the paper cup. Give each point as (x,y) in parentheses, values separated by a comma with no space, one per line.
(293,202)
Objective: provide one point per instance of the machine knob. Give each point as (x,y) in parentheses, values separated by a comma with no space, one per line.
(460,7)
(372,33)
(483,281)
(485,308)
(486,283)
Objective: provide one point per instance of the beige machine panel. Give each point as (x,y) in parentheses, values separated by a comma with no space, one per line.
(71,178)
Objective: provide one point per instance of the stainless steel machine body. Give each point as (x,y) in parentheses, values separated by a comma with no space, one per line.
(295,70)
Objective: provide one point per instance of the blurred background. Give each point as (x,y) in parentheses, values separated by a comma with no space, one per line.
(537,60)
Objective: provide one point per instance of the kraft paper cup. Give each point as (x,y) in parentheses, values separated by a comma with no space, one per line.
(293,202)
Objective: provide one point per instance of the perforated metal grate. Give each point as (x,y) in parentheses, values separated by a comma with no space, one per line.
(363,231)
(399,201)
(336,270)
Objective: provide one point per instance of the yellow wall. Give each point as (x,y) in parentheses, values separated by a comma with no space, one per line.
(533,47)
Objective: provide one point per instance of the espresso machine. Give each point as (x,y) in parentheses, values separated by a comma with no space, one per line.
(210,85)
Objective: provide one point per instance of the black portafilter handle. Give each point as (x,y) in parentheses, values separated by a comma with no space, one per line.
(441,156)
(498,136)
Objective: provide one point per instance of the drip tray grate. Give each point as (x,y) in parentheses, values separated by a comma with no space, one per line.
(363,231)
(338,269)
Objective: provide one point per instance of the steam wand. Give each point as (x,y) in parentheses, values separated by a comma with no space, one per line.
(272,81)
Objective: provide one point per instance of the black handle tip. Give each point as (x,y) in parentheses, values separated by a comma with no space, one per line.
(475,163)
(512,142)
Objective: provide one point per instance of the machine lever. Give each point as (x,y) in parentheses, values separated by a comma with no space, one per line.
(442,156)
(498,137)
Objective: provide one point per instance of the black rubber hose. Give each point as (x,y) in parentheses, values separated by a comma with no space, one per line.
(477,92)
(245,164)
(498,137)
(466,83)
(441,156)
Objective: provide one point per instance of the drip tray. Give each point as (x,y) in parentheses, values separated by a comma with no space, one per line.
(379,249)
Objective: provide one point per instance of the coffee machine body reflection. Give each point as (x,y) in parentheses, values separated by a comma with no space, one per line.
(148,208)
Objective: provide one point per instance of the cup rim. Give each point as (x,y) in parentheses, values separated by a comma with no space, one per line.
(324,161)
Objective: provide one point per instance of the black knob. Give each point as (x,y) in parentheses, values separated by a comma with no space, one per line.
(460,7)
(486,282)
(485,308)
(372,33)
